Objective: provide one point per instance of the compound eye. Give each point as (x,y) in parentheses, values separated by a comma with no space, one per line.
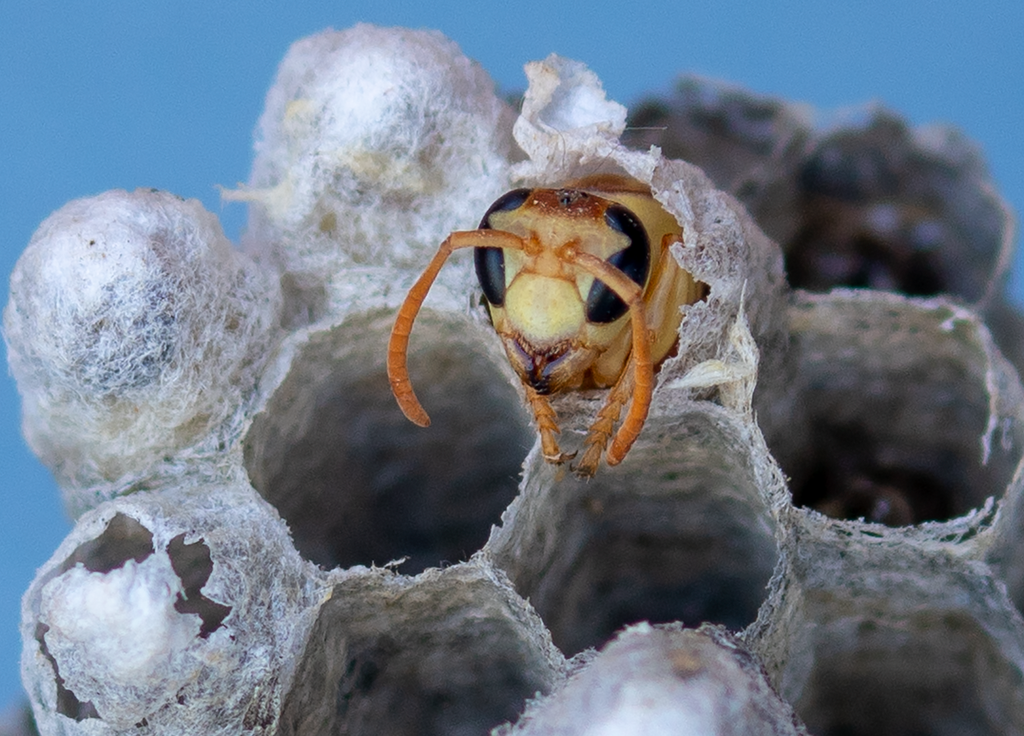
(490,272)
(505,203)
(490,262)
(603,306)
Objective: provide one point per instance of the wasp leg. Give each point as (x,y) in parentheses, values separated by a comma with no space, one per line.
(547,425)
(642,392)
(602,428)
(639,365)
(398,343)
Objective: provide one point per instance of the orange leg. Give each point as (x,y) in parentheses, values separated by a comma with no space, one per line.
(643,391)
(398,344)
(602,428)
(547,426)
(639,361)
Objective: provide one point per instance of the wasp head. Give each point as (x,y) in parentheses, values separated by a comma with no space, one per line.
(554,318)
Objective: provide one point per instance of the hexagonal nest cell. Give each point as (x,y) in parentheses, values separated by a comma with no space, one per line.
(357,483)
(816,527)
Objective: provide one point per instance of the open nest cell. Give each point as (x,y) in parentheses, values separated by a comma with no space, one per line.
(356,481)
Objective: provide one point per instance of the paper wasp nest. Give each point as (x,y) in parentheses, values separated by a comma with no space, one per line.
(819,524)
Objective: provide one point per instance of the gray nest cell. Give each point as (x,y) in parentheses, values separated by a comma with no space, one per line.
(819,523)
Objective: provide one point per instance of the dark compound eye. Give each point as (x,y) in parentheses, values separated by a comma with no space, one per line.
(603,306)
(490,262)
(505,203)
(490,272)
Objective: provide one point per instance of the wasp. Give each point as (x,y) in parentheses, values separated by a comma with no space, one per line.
(583,293)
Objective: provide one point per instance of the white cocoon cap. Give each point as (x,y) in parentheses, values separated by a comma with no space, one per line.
(119,630)
(375,144)
(133,329)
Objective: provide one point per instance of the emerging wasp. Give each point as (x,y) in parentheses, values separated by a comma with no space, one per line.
(583,293)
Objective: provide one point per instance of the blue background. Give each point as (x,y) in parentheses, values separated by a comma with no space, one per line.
(102,95)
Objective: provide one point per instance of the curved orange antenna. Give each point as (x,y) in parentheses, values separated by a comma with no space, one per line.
(643,369)
(398,343)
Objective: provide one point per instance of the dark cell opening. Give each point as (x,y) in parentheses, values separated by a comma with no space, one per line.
(677,533)
(874,208)
(849,479)
(192,563)
(934,677)
(68,703)
(422,661)
(867,247)
(360,484)
(634,566)
(124,539)
(896,422)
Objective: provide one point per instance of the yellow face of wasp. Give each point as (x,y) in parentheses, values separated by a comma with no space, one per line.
(556,320)
(558,268)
